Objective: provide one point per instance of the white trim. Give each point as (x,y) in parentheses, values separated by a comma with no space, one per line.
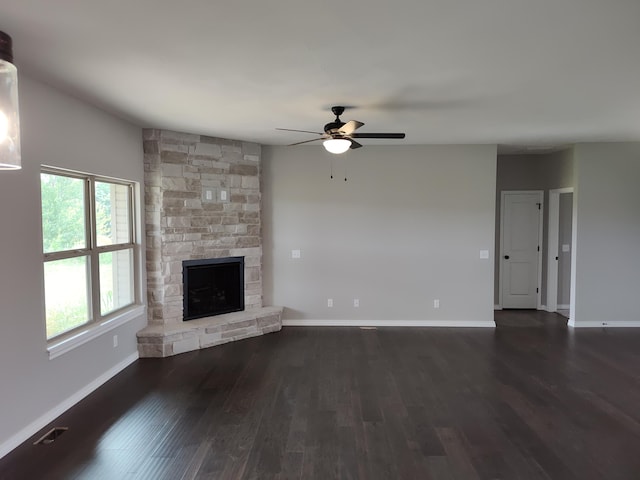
(574,250)
(607,324)
(387,323)
(33,428)
(541,247)
(563,306)
(60,347)
(501,249)
(497,307)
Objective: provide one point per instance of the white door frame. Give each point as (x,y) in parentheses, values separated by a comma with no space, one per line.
(552,247)
(540,194)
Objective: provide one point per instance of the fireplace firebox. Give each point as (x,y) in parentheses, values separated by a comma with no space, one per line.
(213,286)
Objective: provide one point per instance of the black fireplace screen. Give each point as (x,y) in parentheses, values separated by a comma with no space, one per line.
(213,286)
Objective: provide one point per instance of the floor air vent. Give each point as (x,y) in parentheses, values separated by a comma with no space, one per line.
(51,436)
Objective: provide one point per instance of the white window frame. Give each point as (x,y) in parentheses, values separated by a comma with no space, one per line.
(98,324)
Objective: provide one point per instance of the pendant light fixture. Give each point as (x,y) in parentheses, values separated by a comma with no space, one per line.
(9,115)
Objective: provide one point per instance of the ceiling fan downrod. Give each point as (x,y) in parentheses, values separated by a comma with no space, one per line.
(333,127)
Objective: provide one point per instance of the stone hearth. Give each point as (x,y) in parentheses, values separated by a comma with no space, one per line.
(167,340)
(202,199)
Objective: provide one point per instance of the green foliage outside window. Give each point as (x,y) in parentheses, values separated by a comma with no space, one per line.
(63,213)
(103,210)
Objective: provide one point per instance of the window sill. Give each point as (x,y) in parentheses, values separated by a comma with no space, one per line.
(60,347)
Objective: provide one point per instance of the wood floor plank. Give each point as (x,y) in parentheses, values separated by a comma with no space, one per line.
(457,453)
(529,400)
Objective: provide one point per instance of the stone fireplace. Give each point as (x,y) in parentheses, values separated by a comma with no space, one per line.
(202,201)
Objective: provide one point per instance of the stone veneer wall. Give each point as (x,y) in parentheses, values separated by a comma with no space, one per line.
(202,199)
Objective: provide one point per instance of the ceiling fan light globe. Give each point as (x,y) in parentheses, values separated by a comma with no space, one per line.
(336,145)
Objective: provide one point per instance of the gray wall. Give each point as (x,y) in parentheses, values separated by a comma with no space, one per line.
(405,229)
(565,237)
(531,172)
(607,223)
(56,130)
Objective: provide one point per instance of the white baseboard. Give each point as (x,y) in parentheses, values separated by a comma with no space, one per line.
(563,307)
(33,428)
(604,324)
(387,323)
(497,307)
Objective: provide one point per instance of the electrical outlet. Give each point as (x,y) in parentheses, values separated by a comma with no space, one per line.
(436,303)
(223,195)
(356,302)
(330,302)
(115,341)
(295,253)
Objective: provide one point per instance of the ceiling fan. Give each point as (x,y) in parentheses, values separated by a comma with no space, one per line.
(339,136)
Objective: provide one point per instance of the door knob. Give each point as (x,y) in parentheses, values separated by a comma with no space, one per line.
(506,257)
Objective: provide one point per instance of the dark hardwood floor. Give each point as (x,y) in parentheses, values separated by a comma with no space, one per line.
(518,402)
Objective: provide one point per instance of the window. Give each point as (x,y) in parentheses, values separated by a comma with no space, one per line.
(89,249)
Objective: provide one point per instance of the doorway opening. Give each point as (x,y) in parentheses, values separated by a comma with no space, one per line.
(560,248)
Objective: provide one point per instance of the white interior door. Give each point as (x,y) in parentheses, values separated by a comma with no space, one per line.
(520,247)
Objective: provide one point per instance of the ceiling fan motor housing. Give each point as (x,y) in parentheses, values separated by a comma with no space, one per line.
(333,127)
(337,124)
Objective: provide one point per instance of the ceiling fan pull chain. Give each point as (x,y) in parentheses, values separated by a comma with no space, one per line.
(332,168)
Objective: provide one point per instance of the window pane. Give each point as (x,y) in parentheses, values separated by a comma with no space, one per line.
(113,214)
(116,280)
(66,300)
(63,213)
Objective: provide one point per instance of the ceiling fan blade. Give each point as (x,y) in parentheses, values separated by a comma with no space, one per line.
(306,141)
(301,131)
(354,144)
(377,135)
(350,127)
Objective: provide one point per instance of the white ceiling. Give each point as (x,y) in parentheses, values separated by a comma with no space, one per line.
(536,73)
